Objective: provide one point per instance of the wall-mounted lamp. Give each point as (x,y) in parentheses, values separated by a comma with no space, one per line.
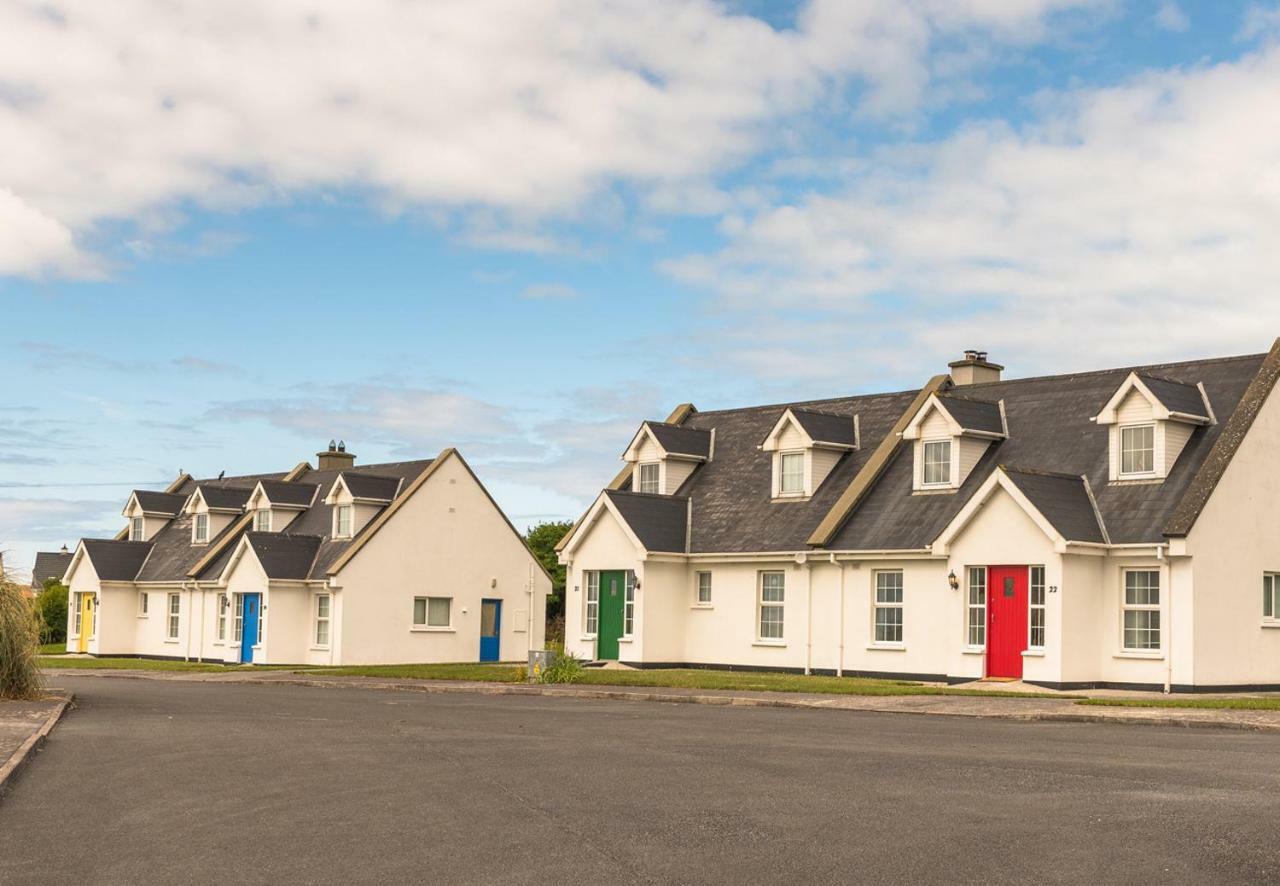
(953,581)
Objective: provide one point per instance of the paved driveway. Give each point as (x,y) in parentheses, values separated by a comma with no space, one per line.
(182,782)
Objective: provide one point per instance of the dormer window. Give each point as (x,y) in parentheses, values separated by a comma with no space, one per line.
(200,529)
(791,474)
(342,521)
(1137,450)
(137,529)
(937,463)
(1151,419)
(650,475)
(806,447)
(262,520)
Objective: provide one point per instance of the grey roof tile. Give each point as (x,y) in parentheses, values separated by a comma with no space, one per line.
(659,521)
(826,427)
(973,415)
(225,497)
(116,560)
(160,502)
(681,439)
(372,486)
(284,555)
(290,493)
(49,564)
(1175,395)
(1064,502)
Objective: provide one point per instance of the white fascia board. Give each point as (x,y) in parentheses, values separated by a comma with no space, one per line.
(998,480)
(632,452)
(770,443)
(598,507)
(912,430)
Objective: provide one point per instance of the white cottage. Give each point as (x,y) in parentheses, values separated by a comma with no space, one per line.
(1116,528)
(341,564)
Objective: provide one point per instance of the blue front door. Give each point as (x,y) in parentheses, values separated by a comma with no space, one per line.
(250,604)
(490,629)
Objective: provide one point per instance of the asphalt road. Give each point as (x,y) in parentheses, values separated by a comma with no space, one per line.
(149,782)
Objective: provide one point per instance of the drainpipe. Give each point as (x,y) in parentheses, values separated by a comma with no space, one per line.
(808,652)
(529,591)
(840,661)
(1166,580)
(186,652)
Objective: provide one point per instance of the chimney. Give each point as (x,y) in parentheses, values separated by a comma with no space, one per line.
(974,369)
(336,458)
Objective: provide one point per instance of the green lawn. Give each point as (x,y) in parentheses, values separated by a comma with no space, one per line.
(131,664)
(482,672)
(1231,704)
(53,649)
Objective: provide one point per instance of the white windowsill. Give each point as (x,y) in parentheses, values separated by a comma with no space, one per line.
(887,647)
(430,629)
(626,639)
(791,496)
(1270,624)
(171,641)
(771,644)
(974,650)
(1149,656)
(144,616)
(319,648)
(1033,653)
(709,606)
(935,490)
(587,638)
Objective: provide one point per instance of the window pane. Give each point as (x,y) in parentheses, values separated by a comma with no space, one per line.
(937,462)
(773,587)
(1137,450)
(438,612)
(649,478)
(1141,629)
(704,587)
(793,472)
(1268,596)
(322,606)
(889,624)
(771,622)
(420,610)
(1142,588)
(888,587)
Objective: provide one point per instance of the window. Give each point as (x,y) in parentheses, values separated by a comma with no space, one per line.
(936,463)
(79,612)
(704,588)
(238,629)
(342,521)
(773,593)
(1271,596)
(593,602)
(649,478)
(791,473)
(1141,610)
(222,619)
(137,528)
(142,605)
(1138,450)
(262,520)
(322,619)
(175,608)
(432,612)
(629,605)
(200,529)
(977,606)
(1036,638)
(889,606)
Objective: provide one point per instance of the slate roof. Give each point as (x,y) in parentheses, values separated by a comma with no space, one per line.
(116,560)
(49,564)
(285,555)
(225,497)
(973,415)
(657,520)
(681,440)
(1050,431)
(160,502)
(825,427)
(1176,396)
(297,494)
(372,486)
(1064,502)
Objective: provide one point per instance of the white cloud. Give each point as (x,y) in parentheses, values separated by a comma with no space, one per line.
(1260,21)
(526,109)
(1127,223)
(1171,17)
(551,291)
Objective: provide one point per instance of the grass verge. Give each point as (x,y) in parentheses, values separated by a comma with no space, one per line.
(1221,704)
(53,649)
(485,673)
(132,664)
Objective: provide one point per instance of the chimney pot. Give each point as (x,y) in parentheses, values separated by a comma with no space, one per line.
(974,369)
(336,458)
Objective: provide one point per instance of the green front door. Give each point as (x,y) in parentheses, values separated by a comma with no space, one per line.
(613,593)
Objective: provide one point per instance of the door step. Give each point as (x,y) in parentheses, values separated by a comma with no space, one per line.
(998,680)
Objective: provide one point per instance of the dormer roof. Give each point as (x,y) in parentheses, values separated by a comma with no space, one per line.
(288,495)
(674,440)
(966,416)
(157,504)
(283,556)
(368,487)
(822,428)
(228,499)
(1169,399)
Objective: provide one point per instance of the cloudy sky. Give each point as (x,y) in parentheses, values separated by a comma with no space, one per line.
(232,231)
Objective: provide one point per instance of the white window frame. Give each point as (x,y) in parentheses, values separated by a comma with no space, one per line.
(780,604)
(1126,607)
(78,616)
(629,604)
(237,604)
(260,516)
(885,606)
(699,599)
(591,602)
(137,528)
(425,624)
(173,625)
(643,483)
(142,604)
(1271,598)
(976,607)
(198,537)
(783,457)
(925,482)
(1123,430)
(1036,579)
(221,619)
(323,618)
(338,530)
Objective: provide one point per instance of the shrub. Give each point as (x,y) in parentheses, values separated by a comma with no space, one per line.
(19,644)
(563,669)
(51,604)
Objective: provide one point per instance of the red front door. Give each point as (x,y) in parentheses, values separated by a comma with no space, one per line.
(1006,620)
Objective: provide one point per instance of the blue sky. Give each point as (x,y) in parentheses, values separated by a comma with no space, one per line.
(520,229)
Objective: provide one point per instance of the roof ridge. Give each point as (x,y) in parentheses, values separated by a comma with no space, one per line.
(1135,369)
(1037,472)
(658,495)
(799,404)
(945,395)
(1163,378)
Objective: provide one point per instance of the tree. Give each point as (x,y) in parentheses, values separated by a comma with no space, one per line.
(542,540)
(51,604)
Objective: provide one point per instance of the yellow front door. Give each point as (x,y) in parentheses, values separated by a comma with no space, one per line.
(86,621)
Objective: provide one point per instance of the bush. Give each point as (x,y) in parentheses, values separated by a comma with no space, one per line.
(563,669)
(51,604)
(19,644)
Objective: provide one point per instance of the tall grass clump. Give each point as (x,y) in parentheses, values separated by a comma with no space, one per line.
(19,644)
(563,669)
